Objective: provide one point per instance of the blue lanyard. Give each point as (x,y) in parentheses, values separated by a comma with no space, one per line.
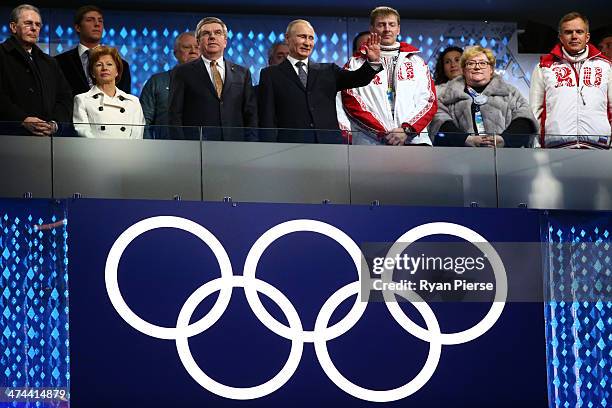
(478,100)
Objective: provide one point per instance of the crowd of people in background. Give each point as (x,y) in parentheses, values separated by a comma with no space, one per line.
(385,94)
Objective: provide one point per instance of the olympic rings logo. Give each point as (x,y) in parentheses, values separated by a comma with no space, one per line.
(294,331)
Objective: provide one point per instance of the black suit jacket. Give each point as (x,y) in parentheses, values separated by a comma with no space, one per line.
(285,103)
(31,87)
(194,101)
(70,63)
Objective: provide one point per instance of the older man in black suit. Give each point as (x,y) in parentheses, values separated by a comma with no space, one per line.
(89,25)
(300,94)
(34,94)
(212,91)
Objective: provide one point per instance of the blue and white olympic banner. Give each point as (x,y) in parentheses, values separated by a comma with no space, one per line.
(258,305)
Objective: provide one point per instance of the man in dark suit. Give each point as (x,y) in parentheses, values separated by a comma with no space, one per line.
(212,91)
(33,92)
(300,94)
(89,24)
(276,54)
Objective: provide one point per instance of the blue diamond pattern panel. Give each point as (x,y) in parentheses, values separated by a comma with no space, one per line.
(579,314)
(431,37)
(34,348)
(145,39)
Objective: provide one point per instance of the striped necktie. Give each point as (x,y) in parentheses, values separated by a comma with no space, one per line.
(302,73)
(216,78)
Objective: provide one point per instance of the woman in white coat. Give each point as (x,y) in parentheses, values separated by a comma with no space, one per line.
(105,111)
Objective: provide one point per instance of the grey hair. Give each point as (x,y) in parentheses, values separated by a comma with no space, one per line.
(181,35)
(294,22)
(274,47)
(209,20)
(16,13)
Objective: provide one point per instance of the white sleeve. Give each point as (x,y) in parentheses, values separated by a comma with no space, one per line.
(80,118)
(610,97)
(537,91)
(357,102)
(343,120)
(425,101)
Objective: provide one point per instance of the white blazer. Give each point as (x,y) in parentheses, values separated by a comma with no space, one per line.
(96,114)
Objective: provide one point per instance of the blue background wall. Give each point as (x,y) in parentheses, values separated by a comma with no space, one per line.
(145,39)
(33,296)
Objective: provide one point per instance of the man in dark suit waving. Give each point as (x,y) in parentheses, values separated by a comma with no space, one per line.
(300,94)
(89,25)
(212,91)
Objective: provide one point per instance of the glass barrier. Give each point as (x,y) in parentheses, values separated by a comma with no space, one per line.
(303,166)
(599,142)
(419,175)
(286,169)
(570,172)
(115,162)
(25,163)
(514,140)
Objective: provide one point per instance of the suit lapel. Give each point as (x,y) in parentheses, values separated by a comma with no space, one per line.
(203,73)
(229,76)
(288,70)
(313,71)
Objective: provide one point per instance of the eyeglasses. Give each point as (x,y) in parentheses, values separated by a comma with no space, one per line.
(32,24)
(216,33)
(479,64)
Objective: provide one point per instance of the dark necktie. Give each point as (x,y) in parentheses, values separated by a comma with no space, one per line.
(85,63)
(302,73)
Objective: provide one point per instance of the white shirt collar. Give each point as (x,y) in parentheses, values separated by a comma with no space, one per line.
(293,61)
(220,62)
(83,48)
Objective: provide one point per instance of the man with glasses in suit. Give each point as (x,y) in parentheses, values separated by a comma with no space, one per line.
(212,91)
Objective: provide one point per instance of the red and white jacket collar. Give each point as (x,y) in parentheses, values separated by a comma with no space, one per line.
(556,54)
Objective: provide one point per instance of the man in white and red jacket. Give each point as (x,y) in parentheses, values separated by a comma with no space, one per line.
(571,90)
(398,104)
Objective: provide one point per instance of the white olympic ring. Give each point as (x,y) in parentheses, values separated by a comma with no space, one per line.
(501,282)
(250,266)
(294,332)
(112,285)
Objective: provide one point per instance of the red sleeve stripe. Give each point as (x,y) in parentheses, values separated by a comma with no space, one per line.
(543,124)
(424,117)
(356,110)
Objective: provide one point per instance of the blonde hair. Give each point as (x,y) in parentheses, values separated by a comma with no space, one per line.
(572,16)
(471,52)
(383,11)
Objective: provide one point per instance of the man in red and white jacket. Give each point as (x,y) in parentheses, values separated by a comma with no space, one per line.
(571,90)
(401,100)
